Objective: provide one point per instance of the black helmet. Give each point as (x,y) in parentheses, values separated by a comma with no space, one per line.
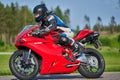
(39,12)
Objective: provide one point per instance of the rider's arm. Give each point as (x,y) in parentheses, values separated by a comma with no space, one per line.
(51,23)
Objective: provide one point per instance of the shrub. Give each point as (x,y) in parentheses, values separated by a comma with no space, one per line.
(111,42)
(119,39)
(1,43)
(105,41)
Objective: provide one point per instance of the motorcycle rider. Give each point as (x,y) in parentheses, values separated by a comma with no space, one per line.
(49,21)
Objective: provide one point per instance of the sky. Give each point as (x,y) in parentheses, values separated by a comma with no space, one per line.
(79,8)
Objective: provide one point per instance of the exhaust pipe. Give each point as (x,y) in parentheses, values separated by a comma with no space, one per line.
(71,65)
(82,58)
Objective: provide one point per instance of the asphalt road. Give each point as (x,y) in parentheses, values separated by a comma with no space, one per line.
(105,76)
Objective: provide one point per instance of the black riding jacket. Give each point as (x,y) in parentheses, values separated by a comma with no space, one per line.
(51,21)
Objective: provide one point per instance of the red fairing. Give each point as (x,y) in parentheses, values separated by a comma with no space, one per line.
(83,33)
(53,60)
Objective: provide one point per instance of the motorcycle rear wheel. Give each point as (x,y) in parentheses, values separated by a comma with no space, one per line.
(95,65)
(21,70)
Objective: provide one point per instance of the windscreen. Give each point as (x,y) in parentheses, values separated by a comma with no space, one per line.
(26,28)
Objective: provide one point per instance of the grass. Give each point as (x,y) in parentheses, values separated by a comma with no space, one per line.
(7,48)
(4,64)
(111,56)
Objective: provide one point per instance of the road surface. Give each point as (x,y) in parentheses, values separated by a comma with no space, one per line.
(105,76)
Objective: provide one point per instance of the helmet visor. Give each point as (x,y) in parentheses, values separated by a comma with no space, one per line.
(38,12)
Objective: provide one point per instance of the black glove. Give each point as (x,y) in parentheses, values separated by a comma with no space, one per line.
(43,31)
(36,34)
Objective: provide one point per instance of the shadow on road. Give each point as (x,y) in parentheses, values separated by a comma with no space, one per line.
(57,76)
(61,77)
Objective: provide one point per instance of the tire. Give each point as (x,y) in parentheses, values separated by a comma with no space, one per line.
(15,64)
(89,72)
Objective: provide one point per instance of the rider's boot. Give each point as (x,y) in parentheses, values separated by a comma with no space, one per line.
(76,47)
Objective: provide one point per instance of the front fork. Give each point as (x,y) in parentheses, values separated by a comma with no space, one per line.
(26,56)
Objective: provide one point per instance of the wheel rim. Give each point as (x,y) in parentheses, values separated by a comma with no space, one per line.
(92,64)
(23,68)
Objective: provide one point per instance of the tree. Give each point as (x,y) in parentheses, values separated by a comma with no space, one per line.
(77,29)
(9,24)
(67,16)
(118,28)
(12,19)
(59,13)
(112,24)
(95,27)
(87,22)
(2,19)
(98,25)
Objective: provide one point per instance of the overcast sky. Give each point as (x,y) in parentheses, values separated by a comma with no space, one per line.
(78,8)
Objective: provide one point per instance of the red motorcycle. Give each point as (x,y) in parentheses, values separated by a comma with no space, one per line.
(41,54)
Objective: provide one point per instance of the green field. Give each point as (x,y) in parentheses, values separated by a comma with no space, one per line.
(111,55)
(4,64)
(112,58)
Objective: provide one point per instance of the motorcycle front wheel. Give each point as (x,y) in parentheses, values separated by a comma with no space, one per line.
(21,69)
(95,65)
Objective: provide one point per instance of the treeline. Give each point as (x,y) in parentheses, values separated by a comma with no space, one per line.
(14,17)
(111,28)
